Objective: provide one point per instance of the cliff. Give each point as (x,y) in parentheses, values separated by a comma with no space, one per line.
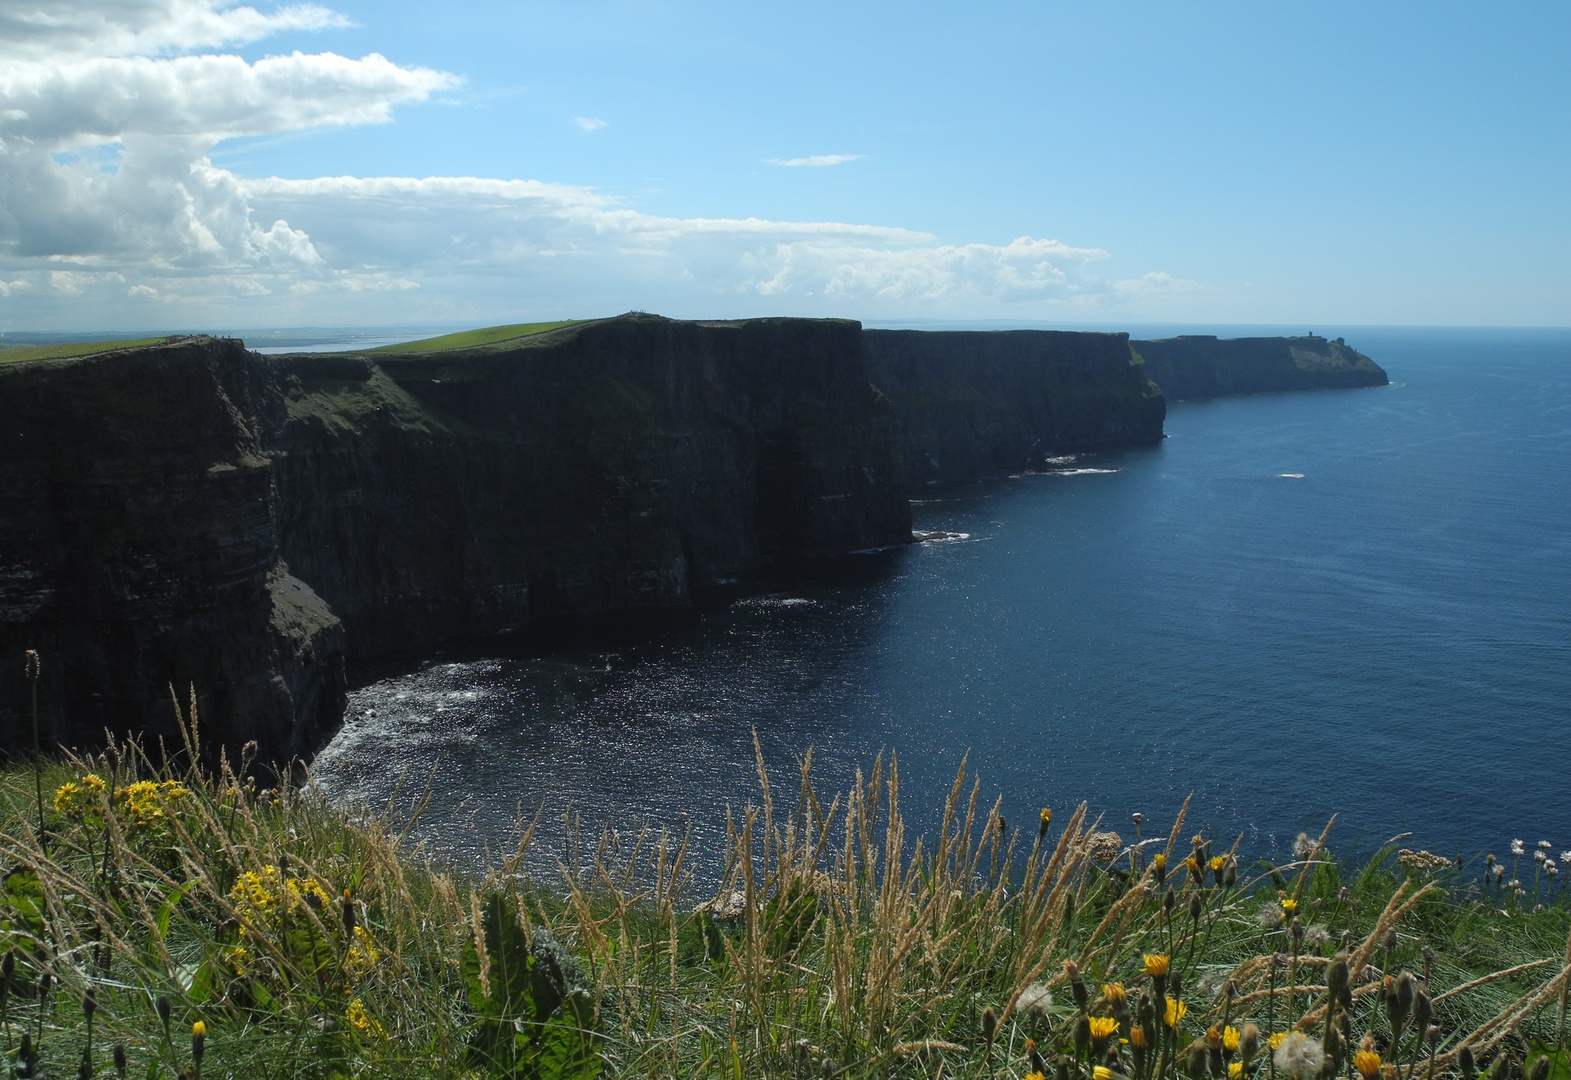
(972,403)
(1202,366)
(197,515)
(194,514)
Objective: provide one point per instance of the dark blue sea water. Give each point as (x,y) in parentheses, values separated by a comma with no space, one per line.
(1351,602)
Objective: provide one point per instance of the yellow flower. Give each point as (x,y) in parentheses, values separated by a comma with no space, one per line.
(1230,1039)
(363,1022)
(1034,1076)
(1276,1040)
(1289,906)
(1160,862)
(77,798)
(1218,863)
(1102,1027)
(1156,964)
(1101,1072)
(199,1030)
(1175,1012)
(1235,1070)
(1194,866)
(1367,1062)
(1114,992)
(1137,1037)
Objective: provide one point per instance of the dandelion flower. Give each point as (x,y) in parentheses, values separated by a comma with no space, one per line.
(1230,1039)
(1102,1027)
(1235,1070)
(1156,964)
(1275,1041)
(1175,1012)
(1367,1062)
(1289,906)
(1301,1057)
(1101,1072)
(1114,992)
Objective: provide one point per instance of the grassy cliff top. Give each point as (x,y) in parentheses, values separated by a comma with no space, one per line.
(75,348)
(469,339)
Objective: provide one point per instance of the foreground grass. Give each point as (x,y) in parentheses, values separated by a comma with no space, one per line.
(76,348)
(469,339)
(177,921)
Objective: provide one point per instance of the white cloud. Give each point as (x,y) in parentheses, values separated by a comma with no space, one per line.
(109,110)
(818,161)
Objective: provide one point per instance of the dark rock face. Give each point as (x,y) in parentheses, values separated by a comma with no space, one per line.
(138,550)
(596,469)
(1201,366)
(973,403)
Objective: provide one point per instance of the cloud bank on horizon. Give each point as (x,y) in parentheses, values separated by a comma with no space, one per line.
(112,213)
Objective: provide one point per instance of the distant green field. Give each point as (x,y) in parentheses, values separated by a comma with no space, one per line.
(468,339)
(76,348)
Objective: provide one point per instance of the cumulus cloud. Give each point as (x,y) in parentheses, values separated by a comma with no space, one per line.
(818,161)
(109,110)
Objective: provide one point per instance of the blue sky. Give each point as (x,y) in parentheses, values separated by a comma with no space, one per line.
(1327,164)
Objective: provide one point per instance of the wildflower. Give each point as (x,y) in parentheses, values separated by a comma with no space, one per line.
(1275,1040)
(1114,992)
(1034,1000)
(198,1043)
(1518,848)
(1218,864)
(1538,856)
(1235,1070)
(363,1022)
(1101,1072)
(1303,846)
(1230,1040)
(1046,819)
(1137,1038)
(1300,1057)
(1175,1012)
(1159,865)
(1213,1038)
(1102,1028)
(1289,905)
(1565,856)
(1156,964)
(1544,845)
(1192,864)
(1316,937)
(1367,1062)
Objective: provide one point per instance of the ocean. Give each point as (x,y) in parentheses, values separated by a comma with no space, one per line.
(1336,602)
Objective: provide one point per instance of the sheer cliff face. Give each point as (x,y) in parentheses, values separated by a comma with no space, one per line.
(139,552)
(194,514)
(611,467)
(1202,366)
(973,403)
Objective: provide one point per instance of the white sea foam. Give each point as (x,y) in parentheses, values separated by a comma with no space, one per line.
(1292,475)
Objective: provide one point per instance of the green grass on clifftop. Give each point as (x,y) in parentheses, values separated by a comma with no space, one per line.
(76,348)
(469,339)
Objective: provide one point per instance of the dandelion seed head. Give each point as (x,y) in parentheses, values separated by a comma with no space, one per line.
(1034,1000)
(1300,1057)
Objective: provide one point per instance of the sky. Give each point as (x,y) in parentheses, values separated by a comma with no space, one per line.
(173,164)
